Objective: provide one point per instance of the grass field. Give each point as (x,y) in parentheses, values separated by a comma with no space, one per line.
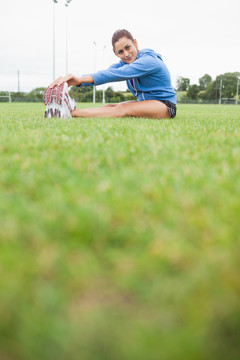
(120,238)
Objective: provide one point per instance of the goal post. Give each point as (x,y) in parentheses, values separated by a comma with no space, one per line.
(7,96)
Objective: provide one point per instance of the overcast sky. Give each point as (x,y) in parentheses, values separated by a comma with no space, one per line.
(194,37)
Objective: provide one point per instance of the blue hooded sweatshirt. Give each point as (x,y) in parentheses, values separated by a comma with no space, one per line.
(147,77)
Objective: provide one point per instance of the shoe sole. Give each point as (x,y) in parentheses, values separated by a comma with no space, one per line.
(53,98)
(55,94)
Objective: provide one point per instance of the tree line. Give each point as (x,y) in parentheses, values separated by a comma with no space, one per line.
(82,94)
(224,86)
(207,90)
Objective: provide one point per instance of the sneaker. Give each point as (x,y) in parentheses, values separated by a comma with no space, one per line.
(58,102)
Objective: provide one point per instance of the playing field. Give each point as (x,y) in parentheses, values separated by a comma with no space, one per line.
(120,238)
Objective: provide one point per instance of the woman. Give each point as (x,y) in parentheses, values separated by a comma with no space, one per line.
(147,78)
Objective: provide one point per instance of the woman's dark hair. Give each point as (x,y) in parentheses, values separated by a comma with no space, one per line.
(119,34)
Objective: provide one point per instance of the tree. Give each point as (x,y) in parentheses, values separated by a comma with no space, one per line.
(36,94)
(182,83)
(210,93)
(112,96)
(85,94)
(229,84)
(193,91)
(204,81)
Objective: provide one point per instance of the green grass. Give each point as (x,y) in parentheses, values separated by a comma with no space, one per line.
(120,238)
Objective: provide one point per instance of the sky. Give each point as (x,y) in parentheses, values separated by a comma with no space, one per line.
(194,37)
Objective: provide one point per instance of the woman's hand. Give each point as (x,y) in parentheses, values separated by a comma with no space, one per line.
(70,79)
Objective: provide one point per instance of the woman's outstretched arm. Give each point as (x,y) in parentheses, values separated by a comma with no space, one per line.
(72,80)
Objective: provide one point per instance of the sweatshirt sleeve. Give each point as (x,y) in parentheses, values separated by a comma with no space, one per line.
(113,66)
(144,65)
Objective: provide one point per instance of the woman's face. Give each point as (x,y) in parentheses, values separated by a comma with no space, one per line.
(126,49)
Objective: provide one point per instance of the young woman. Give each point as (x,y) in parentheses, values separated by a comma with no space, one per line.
(147,78)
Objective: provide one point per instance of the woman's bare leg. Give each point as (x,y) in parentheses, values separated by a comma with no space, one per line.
(109,105)
(153,109)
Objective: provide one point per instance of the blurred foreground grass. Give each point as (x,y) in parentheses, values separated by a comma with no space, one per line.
(119,238)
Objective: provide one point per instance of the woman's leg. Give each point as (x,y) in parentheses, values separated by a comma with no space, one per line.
(153,109)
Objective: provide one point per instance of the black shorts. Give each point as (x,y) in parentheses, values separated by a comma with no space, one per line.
(172,109)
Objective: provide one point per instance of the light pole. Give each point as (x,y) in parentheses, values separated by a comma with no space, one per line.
(238,81)
(66,4)
(54,2)
(94,87)
(220,97)
(18,81)
(103,94)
